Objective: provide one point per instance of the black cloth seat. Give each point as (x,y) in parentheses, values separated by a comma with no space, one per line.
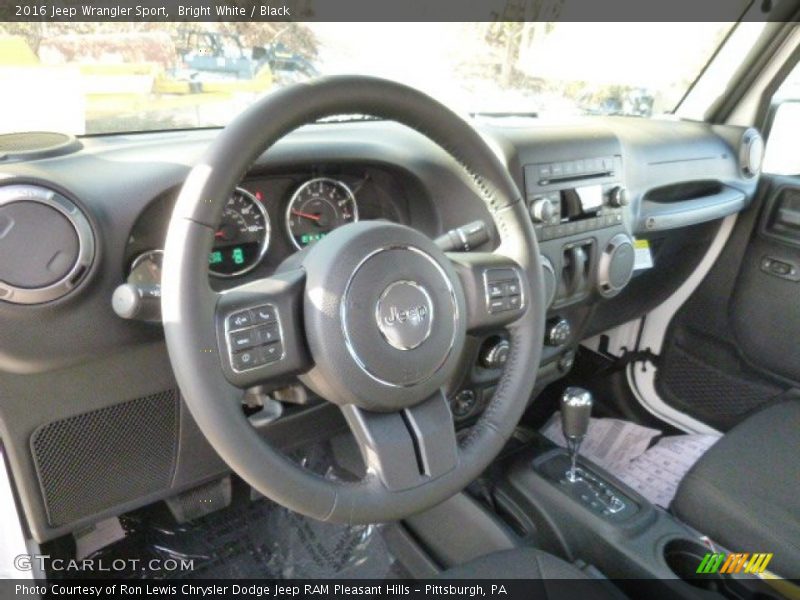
(558,578)
(745,491)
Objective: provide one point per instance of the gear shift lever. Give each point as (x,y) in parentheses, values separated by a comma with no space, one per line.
(576,409)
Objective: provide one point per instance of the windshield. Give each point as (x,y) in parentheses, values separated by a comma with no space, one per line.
(111,77)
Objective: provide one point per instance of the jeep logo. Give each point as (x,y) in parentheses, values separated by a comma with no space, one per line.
(404,315)
(414,315)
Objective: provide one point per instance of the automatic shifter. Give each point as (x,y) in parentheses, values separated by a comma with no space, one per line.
(576,409)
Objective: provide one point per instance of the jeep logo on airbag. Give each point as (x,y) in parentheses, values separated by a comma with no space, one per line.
(404,314)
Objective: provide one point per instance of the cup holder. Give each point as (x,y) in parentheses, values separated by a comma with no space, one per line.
(683,556)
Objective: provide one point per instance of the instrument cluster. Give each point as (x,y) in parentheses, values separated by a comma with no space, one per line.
(268,218)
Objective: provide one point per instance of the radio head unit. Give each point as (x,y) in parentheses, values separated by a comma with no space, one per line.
(574,196)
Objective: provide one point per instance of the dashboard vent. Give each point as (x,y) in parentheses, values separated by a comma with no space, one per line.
(751,153)
(97,460)
(33,145)
(64,248)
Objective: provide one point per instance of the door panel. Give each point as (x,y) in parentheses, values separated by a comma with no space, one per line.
(733,346)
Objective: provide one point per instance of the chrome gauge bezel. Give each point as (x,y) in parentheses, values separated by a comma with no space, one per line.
(262,251)
(299,190)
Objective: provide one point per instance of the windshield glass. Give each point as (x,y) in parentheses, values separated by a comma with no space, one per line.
(112,77)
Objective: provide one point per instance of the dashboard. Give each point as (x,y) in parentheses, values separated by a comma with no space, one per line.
(598,192)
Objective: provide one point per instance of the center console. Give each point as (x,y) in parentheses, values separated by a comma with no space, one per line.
(575,509)
(580,212)
(577,208)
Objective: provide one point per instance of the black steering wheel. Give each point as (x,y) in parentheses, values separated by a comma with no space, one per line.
(373,317)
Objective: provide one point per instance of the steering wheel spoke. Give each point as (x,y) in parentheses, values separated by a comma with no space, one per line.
(406,448)
(495,287)
(258,329)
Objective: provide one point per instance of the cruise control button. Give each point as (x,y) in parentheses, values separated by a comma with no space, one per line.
(244,339)
(268,334)
(514,302)
(512,288)
(240,319)
(247,359)
(272,352)
(498,305)
(496,290)
(264,314)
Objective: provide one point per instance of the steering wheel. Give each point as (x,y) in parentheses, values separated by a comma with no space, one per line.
(373,317)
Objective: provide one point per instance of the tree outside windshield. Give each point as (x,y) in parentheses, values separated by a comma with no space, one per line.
(88,78)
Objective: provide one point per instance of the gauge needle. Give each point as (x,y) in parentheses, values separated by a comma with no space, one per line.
(219,234)
(306,215)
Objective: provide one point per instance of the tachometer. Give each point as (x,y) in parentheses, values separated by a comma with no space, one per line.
(318,207)
(242,238)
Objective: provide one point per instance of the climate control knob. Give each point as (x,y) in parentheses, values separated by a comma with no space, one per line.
(615,268)
(542,210)
(618,196)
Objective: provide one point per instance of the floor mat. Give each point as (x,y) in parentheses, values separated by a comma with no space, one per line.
(625,449)
(255,540)
(251,539)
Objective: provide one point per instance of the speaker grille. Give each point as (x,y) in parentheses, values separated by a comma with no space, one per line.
(97,460)
(32,145)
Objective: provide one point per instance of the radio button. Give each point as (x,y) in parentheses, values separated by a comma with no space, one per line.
(543,210)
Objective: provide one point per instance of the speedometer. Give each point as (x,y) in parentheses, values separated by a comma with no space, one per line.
(242,237)
(318,207)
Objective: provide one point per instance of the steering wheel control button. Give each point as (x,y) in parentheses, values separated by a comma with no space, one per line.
(252,345)
(264,314)
(503,290)
(247,359)
(272,352)
(240,320)
(268,334)
(496,290)
(404,314)
(244,339)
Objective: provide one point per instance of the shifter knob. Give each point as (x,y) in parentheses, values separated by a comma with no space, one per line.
(576,409)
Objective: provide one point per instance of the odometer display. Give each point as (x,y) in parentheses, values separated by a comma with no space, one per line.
(242,237)
(318,207)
